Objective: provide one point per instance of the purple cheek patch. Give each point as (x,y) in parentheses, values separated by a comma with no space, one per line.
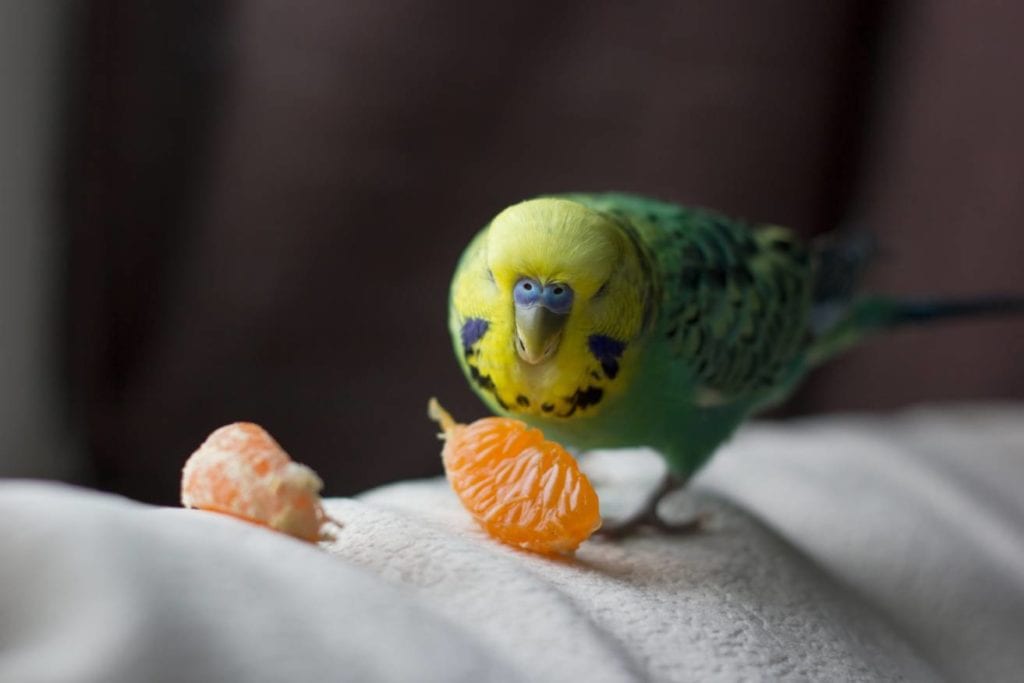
(607,350)
(472,330)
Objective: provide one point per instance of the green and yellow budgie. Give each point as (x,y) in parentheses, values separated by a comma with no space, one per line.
(612,320)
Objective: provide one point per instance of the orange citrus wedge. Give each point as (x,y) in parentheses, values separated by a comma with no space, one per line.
(240,470)
(524,491)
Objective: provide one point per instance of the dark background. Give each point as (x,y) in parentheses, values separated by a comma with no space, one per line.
(263,201)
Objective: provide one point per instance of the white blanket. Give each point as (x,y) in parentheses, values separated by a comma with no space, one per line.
(839,549)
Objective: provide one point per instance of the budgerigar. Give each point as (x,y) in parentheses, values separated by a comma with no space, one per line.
(612,320)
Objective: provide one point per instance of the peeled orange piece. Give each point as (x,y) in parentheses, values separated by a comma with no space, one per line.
(240,470)
(523,490)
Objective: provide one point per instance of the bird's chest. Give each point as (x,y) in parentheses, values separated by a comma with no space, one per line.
(579,381)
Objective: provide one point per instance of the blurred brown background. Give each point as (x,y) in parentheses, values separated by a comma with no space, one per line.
(263,201)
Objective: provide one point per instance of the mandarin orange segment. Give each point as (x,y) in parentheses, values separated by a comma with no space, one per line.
(240,470)
(523,490)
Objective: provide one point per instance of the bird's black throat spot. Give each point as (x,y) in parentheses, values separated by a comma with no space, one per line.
(583,399)
(483,381)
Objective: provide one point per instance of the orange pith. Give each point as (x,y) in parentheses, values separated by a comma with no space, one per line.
(240,470)
(522,489)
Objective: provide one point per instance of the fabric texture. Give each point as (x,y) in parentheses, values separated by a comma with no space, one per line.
(847,548)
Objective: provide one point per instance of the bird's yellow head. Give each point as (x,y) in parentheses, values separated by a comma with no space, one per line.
(546,306)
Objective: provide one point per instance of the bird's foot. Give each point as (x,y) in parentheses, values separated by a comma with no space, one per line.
(627,527)
(647,516)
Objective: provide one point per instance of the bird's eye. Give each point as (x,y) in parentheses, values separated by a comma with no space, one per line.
(526,292)
(558,297)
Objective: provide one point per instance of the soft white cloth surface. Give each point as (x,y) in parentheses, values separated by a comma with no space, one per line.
(96,588)
(839,549)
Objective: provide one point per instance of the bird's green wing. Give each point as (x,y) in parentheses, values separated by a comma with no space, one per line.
(737,303)
(735,299)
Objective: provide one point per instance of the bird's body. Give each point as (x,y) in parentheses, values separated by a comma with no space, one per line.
(611,320)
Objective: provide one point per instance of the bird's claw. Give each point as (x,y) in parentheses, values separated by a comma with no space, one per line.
(651,520)
(647,516)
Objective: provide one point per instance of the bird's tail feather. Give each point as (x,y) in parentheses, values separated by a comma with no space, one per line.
(867,315)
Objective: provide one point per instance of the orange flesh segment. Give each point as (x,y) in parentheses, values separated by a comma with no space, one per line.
(240,470)
(523,490)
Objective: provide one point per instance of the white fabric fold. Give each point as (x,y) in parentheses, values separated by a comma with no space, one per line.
(843,548)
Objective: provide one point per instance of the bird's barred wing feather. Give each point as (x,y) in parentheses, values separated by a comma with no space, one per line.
(736,301)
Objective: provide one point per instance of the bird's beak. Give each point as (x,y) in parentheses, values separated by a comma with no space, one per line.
(538,331)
